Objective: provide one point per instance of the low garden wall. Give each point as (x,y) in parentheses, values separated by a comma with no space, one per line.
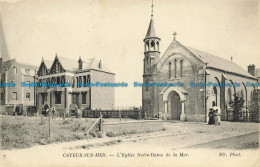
(129,127)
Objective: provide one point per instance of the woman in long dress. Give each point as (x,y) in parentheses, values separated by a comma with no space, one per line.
(211,117)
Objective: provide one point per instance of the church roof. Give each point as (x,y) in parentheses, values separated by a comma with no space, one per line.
(3,49)
(212,61)
(218,62)
(151,31)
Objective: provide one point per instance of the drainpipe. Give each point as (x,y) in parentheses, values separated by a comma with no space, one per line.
(205,90)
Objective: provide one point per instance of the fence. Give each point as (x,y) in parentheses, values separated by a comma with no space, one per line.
(244,116)
(134,113)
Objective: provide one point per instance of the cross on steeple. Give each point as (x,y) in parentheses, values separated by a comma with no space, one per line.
(174,35)
(152,9)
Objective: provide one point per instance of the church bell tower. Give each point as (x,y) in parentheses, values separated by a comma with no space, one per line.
(151,58)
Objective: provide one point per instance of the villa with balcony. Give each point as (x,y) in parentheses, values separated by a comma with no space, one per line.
(63,70)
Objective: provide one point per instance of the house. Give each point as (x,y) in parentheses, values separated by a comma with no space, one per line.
(74,75)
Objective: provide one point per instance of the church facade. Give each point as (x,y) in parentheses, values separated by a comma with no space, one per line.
(183,64)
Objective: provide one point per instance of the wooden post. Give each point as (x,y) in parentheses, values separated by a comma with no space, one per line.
(119,114)
(139,113)
(100,126)
(49,125)
(41,120)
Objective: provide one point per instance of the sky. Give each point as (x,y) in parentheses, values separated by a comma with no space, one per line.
(113,31)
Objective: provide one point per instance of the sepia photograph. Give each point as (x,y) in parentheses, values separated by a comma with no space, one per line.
(129,83)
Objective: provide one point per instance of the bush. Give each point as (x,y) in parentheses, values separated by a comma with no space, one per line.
(253,110)
(67,121)
(99,134)
(237,105)
(110,134)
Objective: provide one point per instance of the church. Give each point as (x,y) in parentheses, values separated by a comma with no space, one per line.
(181,63)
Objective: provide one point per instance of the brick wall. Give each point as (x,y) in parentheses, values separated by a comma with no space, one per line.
(196,103)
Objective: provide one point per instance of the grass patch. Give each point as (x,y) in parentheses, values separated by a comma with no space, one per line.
(109,143)
(24,132)
(125,133)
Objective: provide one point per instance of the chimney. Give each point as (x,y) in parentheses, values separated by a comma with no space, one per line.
(251,69)
(100,64)
(80,63)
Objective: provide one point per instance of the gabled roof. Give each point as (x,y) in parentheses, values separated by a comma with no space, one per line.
(73,66)
(151,31)
(219,62)
(47,63)
(68,64)
(95,65)
(212,61)
(9,63)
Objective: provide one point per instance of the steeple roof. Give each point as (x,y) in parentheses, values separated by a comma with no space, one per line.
(3,49)
(151,31)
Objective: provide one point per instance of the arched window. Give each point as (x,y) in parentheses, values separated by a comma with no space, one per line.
(242,94)
(153,45)
(215,92)
(157,43)
(147,46)
(73,82)
(229,95)
(170,71)
(181,67)
(251,95)
(58,80)
(175,68)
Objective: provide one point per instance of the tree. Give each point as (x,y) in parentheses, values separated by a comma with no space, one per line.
(237,105)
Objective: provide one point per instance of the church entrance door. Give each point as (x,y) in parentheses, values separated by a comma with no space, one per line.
(176,106)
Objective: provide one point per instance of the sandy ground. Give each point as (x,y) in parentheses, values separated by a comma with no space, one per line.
(189,141)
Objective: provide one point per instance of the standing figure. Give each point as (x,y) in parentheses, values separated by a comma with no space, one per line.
(216,115)
(211,117)
(53,112)
(46,107)
(77,111)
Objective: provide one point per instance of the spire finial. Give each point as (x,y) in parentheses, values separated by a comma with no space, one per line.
(152,9)
(174,35)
